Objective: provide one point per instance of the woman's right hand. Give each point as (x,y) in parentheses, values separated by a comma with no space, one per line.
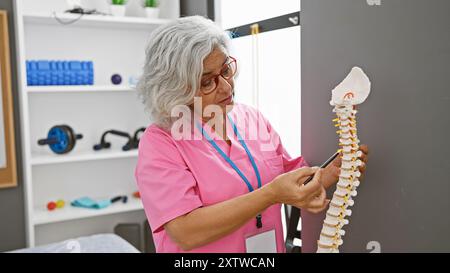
(288,188)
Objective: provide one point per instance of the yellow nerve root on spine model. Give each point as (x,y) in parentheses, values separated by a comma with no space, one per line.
(353,90)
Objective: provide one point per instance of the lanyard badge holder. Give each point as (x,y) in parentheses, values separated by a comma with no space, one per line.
(233,165)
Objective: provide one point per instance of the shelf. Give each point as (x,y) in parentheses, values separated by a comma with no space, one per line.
(94,21)
(79,88)
(43,216)
(105,40)
(47,158)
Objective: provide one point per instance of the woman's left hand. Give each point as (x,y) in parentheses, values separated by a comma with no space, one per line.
(331,173)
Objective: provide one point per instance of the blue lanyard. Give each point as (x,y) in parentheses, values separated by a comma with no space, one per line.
(228,159)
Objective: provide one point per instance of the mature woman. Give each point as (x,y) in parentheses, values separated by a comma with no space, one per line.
(212,173)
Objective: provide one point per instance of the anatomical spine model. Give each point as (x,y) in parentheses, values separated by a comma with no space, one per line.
(353,90)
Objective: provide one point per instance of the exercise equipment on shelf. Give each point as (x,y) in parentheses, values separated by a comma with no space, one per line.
(116,79)
(136,137)
(44,72)
(87,202)
(106,145)
(52,205)
(61,139)
(132,143)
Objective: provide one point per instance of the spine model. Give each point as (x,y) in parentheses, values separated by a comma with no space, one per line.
(352,91)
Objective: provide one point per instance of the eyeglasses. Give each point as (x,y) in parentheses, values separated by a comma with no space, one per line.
(208,85)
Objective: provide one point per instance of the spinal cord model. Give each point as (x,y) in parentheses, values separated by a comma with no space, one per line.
(353,90)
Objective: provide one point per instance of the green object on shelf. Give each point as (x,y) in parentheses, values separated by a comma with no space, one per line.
(151,3)
(118,2)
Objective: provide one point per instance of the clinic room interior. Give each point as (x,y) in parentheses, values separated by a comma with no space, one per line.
(224,126)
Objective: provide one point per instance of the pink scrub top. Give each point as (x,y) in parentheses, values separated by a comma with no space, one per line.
(175,177)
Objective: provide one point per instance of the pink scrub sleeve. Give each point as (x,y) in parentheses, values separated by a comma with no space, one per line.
(167,187)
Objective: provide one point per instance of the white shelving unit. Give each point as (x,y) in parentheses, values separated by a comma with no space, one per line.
(46,158)
(78,88)
(98,21)
(115,45)
(42,216)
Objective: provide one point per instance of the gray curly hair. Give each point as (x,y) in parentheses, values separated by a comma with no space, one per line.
(174,64)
